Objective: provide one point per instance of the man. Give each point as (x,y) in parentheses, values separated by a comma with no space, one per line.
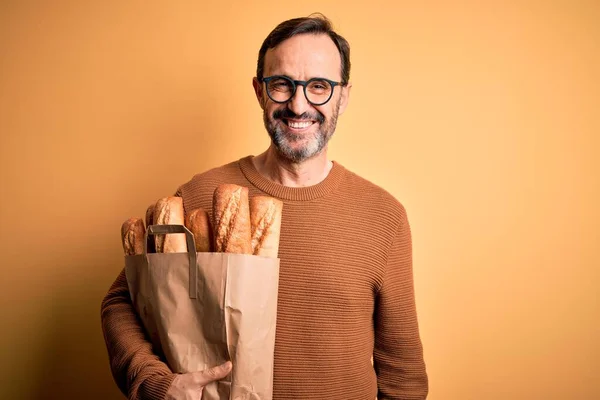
(346,287)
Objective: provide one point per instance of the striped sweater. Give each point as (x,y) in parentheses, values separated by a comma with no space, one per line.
(345,294)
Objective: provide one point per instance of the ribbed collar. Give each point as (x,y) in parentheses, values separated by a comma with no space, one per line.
(333,179)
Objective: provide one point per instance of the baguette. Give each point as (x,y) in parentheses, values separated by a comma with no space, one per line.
(132,236)
(150,215)
(198,223)
(231,223)
(150,221)
(169,211)
(265,219)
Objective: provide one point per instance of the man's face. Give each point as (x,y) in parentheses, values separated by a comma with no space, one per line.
(298,129)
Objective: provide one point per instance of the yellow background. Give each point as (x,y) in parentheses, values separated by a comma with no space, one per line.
(480,117)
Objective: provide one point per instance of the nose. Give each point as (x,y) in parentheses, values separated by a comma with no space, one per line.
(298,104)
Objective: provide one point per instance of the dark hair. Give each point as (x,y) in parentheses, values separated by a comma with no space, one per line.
(315,24)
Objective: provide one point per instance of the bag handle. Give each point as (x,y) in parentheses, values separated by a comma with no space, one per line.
(191,246)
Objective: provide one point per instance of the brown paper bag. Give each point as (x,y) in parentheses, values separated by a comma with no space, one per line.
(202,309)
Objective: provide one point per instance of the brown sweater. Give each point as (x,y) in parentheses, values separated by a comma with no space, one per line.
(345,294)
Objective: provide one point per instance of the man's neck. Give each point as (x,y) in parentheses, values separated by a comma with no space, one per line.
(277,169)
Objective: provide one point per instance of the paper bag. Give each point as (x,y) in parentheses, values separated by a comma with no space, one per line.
(202,309)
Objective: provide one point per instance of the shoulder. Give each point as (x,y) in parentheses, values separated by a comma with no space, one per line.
(372,198)
(211,178)
(198,191)
(231,169)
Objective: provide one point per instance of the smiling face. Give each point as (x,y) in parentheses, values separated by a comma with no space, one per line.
(298,129)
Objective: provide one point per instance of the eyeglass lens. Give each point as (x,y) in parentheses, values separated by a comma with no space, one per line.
(282,89)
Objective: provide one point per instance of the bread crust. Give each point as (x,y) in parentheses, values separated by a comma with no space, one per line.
(198,222)
(169,211)
(150,221)
(132,236)
(231,219)
(265,219)
(150,215)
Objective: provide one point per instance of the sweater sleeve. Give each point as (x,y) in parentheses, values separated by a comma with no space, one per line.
(398,353)
(137,371)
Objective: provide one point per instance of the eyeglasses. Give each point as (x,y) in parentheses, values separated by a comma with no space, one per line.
(281,89)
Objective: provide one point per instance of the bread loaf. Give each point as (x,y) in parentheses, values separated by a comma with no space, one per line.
(231,222)
(132,236)
(265,219)
(150,215)
(150,221)
(169,211)
(198,223)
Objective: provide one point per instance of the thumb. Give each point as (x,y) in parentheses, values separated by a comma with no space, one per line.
(214,373)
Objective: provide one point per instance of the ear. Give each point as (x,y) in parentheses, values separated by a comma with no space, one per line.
(258,90)
(345,97)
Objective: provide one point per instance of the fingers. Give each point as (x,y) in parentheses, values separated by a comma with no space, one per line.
(189,385)
(214,373)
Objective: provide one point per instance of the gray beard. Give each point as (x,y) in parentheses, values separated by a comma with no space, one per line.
(314,145)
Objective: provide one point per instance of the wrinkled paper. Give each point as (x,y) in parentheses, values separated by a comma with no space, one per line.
(232,318)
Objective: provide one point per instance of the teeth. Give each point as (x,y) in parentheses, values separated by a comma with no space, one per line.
(299,125)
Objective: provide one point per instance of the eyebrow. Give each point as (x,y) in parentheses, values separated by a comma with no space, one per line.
(294,79)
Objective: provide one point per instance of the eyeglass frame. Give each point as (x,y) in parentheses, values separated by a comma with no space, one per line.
(304,84)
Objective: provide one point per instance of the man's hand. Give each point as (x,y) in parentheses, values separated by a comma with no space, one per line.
(189,386)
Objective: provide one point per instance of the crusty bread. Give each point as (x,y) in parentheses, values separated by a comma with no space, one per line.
(265,219)
(150,221)
(169,211)
(150,215)
(132,236)
(198,223)
(231,222)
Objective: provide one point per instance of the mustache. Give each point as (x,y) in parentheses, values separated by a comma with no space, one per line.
(287,113)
